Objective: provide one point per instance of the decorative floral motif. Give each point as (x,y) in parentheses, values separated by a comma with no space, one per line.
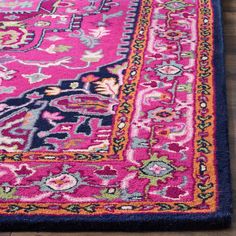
(63,182)
(164,114)
(157,169)
(92,56)
(175,5)
(173,35)
(169,70)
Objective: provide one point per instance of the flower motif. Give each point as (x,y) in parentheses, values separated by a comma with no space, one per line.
(173,35)
(62,182)
(164,114)
(92,56)
(157,169)
(169,70)
(175,5)
(34,96)
(74,85)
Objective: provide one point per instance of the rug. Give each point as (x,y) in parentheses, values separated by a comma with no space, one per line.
(112,115)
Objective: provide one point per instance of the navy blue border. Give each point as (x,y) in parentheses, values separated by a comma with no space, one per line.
(158,222)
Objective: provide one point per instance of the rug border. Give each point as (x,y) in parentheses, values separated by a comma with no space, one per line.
(150,222)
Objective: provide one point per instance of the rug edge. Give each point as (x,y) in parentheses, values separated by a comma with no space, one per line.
(222,134)
(220,219)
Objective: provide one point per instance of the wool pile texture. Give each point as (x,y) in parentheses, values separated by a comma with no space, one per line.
(112,115)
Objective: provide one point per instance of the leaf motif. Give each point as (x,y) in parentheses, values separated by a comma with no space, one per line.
(91,208)
(80,156)
(205,196)
(164,206)
(107,86)
(73,208)
(14,208)
(96,157)
(17,157)
(3,157)
(120,140)
(183,207)
(30,208)
(204,187)
(117,148)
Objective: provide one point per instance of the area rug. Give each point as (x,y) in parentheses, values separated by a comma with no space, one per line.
(112,115)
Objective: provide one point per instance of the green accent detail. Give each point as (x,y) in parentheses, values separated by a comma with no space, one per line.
(7,195)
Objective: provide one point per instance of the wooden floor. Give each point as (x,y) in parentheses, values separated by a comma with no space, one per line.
(229,7)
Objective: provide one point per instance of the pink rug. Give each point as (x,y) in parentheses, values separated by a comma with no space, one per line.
(112,113)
